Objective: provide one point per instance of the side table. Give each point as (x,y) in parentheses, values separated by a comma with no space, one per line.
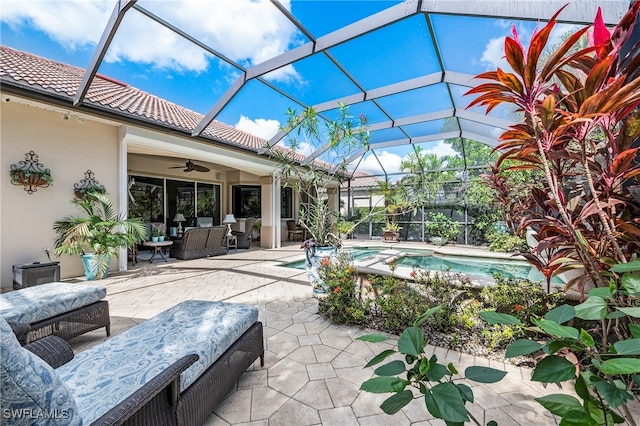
(157,248)
(232,242)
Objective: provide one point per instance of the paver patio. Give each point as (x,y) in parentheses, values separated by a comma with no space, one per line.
(313,369)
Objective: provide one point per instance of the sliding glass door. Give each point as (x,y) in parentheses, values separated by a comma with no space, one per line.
(157,200)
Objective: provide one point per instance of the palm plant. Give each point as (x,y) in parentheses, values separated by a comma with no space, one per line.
(102,231)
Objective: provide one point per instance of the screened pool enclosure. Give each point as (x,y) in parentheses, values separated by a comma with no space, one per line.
(404,65)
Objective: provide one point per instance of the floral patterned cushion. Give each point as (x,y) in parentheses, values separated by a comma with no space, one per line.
(106,374)
(32,393)
(36,303)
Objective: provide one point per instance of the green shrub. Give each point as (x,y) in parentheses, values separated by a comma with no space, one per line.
(343,303)
(398,305)
(520,298)
(507,243)
(440,225)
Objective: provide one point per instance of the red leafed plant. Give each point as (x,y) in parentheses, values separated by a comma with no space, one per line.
(581,128)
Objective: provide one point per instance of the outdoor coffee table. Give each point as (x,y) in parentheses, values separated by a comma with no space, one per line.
(157,248)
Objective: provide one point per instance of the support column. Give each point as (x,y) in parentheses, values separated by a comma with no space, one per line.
(270,233)
(333,198)
(123,198)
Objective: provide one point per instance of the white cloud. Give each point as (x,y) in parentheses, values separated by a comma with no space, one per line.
(305,148)
(493,54)
(260,127)
(73,24)
(390,161)
(246,31)
(441,149)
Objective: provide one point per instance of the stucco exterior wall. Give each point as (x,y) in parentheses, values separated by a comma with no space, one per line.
(68,147)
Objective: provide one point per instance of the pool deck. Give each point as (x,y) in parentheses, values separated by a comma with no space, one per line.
(313,369)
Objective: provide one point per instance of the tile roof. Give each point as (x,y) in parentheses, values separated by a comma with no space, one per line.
(45,75)
(363,180)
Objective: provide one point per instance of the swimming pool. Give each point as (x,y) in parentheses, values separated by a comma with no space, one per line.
(474,267)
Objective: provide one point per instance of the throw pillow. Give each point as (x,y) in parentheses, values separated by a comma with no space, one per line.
(32,393)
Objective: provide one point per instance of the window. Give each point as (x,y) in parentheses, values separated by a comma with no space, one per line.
(181,199)
(246,200)
(198,202)
(208,203)
(146,199)
(286,203)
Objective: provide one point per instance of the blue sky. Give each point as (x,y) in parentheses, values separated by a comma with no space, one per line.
(151,58)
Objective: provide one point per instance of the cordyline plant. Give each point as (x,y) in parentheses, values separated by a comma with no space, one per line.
(581,121)
(316,176)
(581,118)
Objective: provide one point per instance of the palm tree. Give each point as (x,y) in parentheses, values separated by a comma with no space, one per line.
(102,232)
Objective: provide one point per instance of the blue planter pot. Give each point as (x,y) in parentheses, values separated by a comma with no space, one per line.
(315,255)
(92,266)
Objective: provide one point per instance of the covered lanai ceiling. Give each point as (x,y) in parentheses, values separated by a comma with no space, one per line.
(404,65)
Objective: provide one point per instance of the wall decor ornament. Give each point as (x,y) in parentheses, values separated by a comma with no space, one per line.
(30,173)
(88,184)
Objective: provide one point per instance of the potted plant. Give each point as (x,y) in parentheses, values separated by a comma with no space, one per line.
(93,188)
(441,228)
(395,204)
(31,179)
(156,234)
(391,232)
(345,228)
(97,236)
(317,178)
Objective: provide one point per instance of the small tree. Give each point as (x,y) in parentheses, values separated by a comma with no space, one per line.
(318,176)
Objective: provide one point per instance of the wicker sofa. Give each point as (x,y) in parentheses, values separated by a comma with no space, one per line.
(65,310)
(200,242)
(171,369)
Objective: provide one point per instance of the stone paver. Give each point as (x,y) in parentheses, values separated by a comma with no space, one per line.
(313,369)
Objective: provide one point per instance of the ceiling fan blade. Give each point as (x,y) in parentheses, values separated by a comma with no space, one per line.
(199,168)
(176,167)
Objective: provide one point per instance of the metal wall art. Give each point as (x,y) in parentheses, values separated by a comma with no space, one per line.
(30,173)
(88,184)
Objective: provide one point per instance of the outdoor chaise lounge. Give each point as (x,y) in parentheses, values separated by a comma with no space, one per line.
(171,369)
(65,310)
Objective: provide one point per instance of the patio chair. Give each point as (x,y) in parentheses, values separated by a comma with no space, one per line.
(294,231)
(244,238)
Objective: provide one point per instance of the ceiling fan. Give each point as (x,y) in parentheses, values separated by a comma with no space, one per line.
(190,166)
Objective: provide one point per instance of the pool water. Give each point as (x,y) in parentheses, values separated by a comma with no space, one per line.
(356,253)
(485,268)
(469,266)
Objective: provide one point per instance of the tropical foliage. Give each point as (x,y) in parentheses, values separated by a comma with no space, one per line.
(101,231)
(318,176)
(606,377)
(581,124)
(444,393)
(580,121)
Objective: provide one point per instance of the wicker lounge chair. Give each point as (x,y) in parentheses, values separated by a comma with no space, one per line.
(65,310)
(178,367)
(244,238)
